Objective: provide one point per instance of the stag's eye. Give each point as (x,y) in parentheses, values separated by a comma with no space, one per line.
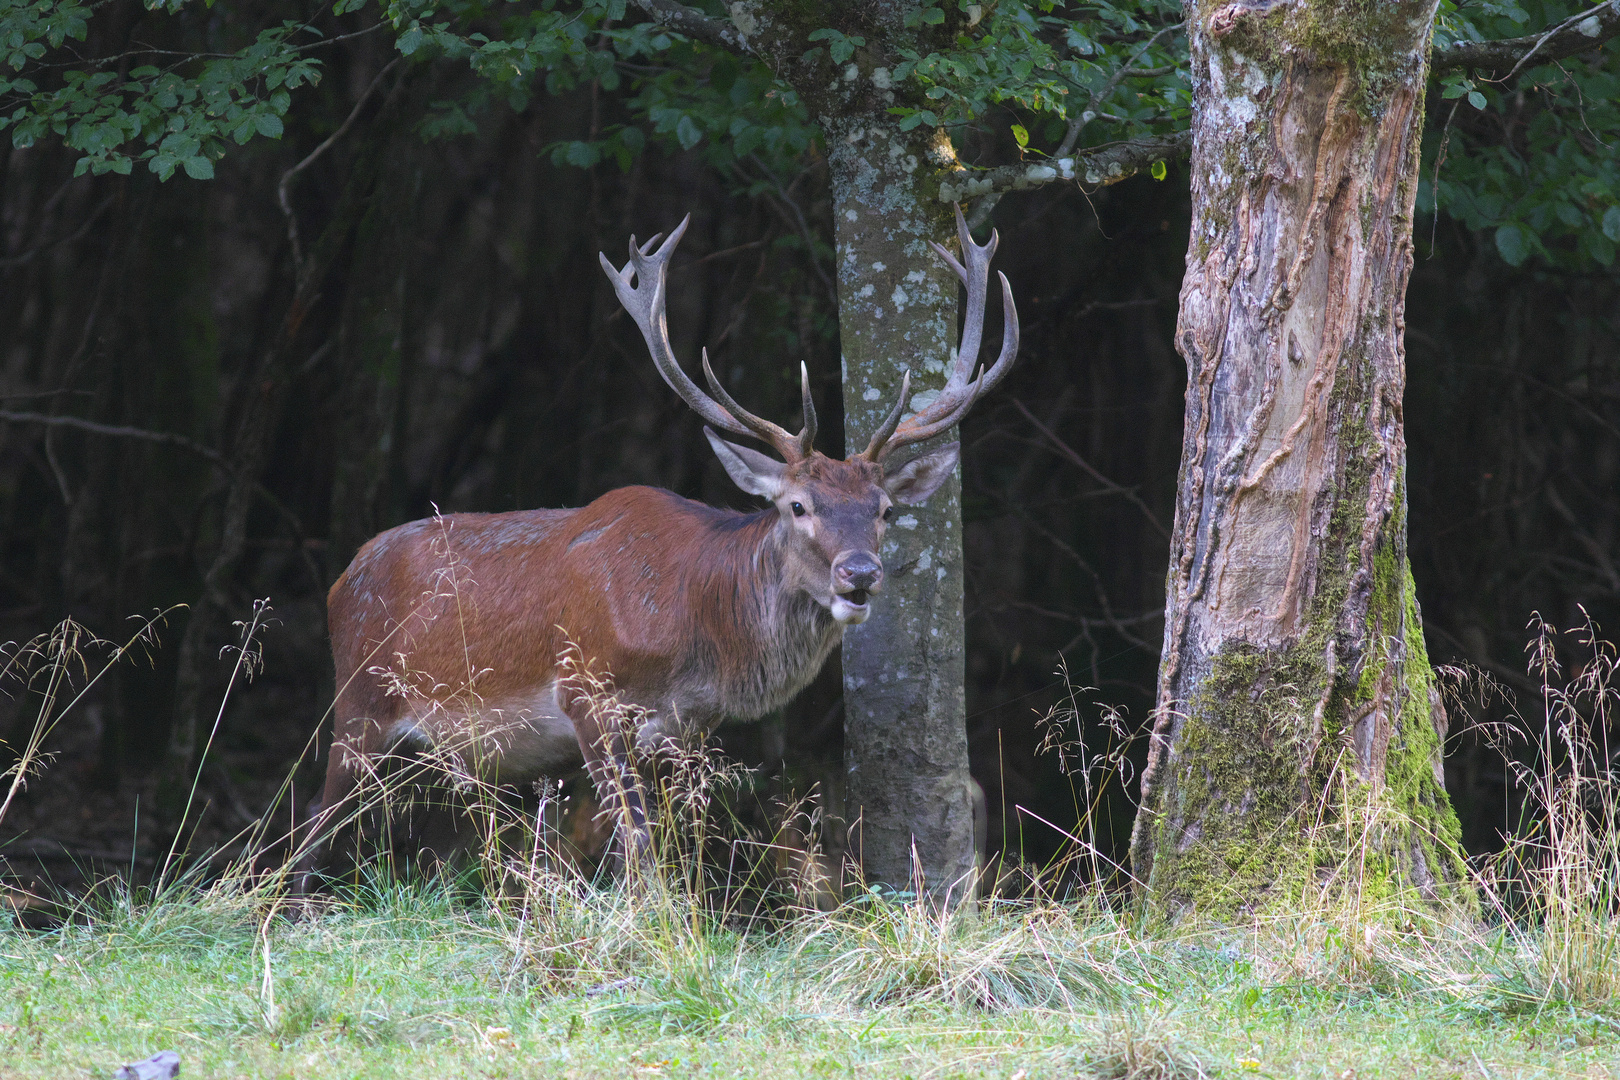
(888,513)
(798,509)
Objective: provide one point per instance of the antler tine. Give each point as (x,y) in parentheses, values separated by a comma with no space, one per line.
(880,437)
(1009,342)
(791,447)
(976,277)
(962,386)
(645,303)
(930,422)
(807,437)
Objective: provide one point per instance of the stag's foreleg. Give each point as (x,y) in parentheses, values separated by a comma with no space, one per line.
(608,746)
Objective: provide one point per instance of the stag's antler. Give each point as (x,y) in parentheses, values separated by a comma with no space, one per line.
(961,389)
(645,303)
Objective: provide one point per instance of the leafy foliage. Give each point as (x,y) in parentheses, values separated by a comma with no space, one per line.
(1055,64)
(1534,161)
(683,93)
(1531,160)
(183,114)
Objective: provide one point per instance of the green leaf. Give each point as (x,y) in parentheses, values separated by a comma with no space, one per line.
(268,125)
(688,133)
(199,168)
(1476,99)
(1611,223)
(581,154)
(1020,135)
(1514,245)
(1601,248)
(410,41)
(933,16)
(1159,170)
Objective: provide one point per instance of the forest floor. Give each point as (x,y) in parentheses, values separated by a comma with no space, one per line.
(412,981)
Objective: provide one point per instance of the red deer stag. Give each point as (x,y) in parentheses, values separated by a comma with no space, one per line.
(449,630)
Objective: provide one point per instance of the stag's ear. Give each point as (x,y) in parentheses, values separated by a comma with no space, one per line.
(919,478)
(750,470)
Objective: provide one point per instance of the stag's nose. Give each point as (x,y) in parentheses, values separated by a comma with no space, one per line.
(858,573)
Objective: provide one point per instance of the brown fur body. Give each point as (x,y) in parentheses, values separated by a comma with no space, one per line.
(447,625)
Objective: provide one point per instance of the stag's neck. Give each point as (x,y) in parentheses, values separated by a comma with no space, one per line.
(766,638)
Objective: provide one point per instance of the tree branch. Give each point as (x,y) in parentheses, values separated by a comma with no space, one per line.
(167,438)
(1113,162)
(1099,167)
(28,256)
(692,23)
(282,189)
(1069,452)
(1577,34)
(163,437)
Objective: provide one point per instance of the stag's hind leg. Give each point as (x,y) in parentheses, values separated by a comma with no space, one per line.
(364,717)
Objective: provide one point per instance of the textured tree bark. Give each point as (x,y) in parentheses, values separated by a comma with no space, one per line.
(1298,731)
(908,789)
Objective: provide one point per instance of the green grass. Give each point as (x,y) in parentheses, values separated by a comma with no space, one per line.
(407,981)
(528,970)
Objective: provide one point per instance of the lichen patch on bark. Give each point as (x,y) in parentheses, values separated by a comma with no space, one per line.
(905,729)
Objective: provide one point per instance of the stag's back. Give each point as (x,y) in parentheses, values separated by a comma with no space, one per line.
(446,606)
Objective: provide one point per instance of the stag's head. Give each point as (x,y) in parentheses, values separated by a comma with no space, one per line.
(832,513)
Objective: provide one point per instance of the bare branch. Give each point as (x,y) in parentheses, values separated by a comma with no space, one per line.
(1579,33)
(28,256)
(1099,167)
(692,23)
(163,437)
(286,178)
(1069,452)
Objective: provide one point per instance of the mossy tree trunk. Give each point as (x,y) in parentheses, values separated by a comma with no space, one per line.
(1298,732)
(908,793)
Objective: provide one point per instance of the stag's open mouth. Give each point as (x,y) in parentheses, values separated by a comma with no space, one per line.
(851,607)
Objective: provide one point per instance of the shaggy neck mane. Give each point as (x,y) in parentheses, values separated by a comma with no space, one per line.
(759,638)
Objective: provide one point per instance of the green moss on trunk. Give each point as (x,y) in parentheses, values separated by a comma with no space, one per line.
(1298,739)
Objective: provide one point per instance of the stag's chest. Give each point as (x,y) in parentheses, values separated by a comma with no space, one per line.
(747,675)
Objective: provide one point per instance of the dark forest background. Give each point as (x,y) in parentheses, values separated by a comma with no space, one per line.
(458,347)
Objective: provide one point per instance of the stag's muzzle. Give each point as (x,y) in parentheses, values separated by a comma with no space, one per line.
(855,577)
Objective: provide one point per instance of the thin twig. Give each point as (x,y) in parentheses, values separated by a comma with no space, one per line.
(801,226)
(1542,40)
(78,234)
(282,195)
(1069,452)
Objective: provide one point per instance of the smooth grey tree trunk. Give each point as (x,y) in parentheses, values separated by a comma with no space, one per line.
(1298,731)
(909,793)
(908,789)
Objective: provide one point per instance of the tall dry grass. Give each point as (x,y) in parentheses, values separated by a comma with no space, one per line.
(696,925)
(1556,884)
